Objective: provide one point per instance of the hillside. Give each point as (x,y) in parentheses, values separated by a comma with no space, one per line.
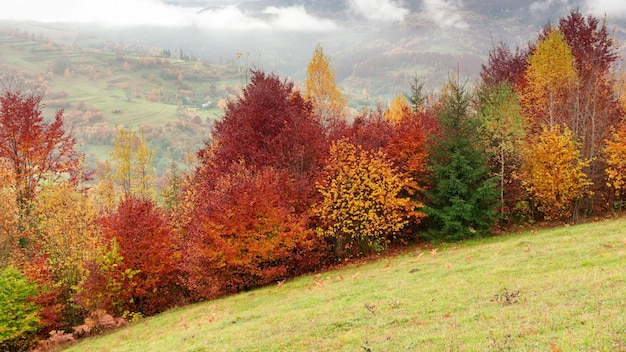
(559,289)
(102,86)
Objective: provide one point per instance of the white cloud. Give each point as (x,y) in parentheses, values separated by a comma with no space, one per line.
(296,18)
(446,13)
(112,12)
(610,8)
(543,6)
(157,12)
(380,10)
(228,18)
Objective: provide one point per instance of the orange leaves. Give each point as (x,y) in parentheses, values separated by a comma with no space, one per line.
(615,154)
(360,206)
(246,233)
(553,172)
(33,149)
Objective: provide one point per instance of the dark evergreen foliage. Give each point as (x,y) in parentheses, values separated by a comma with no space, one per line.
(463,200)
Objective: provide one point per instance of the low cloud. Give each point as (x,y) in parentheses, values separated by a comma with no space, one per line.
(610,8)
(112,12)
(445,13)
(296,18)
(119,13)
(380,10)
(544,6)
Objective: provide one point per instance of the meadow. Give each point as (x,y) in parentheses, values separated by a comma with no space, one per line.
(559,289)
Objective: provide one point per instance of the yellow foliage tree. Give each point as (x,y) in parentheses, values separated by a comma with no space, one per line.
(9,214)
(615,154)
(130,170)
(321,89)
(398,110)
(553,172)
(360,205)
(550,74)
(68,238)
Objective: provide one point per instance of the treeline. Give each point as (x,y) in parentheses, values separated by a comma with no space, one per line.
(291,182)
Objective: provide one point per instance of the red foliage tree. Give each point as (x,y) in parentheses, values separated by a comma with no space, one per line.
(245,234)
(35,150)
(370,130)
(269,125)
(505,65)
(253,190)
(140,264)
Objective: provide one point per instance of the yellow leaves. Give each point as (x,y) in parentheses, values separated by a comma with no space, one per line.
(360,203)
(553,172)
(615,154)
(130,170)
(550,73)
(321,89)
(398,110)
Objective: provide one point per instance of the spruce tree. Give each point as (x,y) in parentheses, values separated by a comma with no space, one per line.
(463,198)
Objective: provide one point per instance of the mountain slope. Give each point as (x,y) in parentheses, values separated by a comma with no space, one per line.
(562,287)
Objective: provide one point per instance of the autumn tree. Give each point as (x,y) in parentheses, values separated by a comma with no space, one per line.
(407,149)
(398,109)
(550,76)
(269,125)
(594,106)
(321,89)
(33,149)
(130,170)
(553,172)
(615,155)
(68,240)
(360,209)
(462,201)
(503,127)
(369,129)
(505,66)
(251,194)
(246,234)
(137,271)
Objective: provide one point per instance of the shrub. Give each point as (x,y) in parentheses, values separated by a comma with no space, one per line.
(360,207)
(19,319)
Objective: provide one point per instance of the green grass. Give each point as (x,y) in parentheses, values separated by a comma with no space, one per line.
(521,292)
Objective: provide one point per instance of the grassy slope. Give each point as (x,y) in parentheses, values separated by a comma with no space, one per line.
(571,283)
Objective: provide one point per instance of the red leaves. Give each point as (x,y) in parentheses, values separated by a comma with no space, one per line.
(246,234)
(142,260)
(35,150)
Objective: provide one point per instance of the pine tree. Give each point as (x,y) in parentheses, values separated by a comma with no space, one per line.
(463,198)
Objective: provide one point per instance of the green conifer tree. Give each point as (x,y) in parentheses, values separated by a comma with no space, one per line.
(462,202)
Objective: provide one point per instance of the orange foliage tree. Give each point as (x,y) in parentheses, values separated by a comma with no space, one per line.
(246,234)
(250,197)
(553,172)
(34,150)
(615,155)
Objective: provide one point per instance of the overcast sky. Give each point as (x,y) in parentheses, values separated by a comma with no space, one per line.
(446,13)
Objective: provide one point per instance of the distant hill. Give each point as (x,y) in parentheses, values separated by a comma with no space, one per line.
(164,79)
